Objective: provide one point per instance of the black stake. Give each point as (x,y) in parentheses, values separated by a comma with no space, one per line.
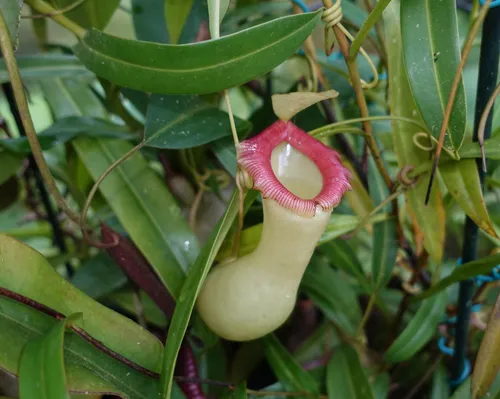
(44,196)
(488,72)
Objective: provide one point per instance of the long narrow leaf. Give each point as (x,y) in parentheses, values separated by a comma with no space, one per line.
(41,374)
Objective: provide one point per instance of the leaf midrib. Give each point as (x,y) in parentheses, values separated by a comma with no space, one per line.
(76,354)
(200,69)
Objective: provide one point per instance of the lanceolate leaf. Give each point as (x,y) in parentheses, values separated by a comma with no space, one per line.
(345,377)
(11,12)
(286,368)
(90,14)
(186,121)
(462,181)
(464,272)
(432,54)
(176,13)
(190,289)
(488,358)
(41,373)
(65,130)
(385,246)
(419,330)
(25,271)
(440,387)
(332,294)
(198,68)
(87,368)
(430,218)
(137,195)
(144,207)
(46,66)
(216,11)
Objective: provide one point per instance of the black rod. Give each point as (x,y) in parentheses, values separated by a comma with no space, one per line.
(488,73)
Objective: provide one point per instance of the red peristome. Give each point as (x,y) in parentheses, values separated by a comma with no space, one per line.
(254,155)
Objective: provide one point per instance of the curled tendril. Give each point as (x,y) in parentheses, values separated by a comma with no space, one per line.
(332,17)
(403,176)
(431,144)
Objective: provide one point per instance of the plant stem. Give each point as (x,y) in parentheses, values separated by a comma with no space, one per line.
(44,8)
(27,122)
(488,72)
(367,27)
(360,99)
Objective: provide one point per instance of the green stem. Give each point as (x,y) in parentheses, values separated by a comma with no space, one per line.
(22,105)
(44,8)
(367,27)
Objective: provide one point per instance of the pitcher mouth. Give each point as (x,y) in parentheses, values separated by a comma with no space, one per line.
(255,157)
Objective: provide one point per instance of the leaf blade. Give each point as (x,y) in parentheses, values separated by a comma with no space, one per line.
(432,55)
(227,62)
(430,218)
(345,377)
(418,331)
(41,372)
(194,280)
(176,122)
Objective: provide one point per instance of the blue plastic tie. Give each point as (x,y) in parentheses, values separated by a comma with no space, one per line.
(444,348)
(481,279)
(465,373)
(304,7)
(494,3)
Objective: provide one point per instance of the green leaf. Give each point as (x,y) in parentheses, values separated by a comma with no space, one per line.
(190,289)
(440,386)
(91,13)
(137,195)
(463,391)
(381,385)
(488,361)
(286,368)
(176,13)
(25,271)
(99,276)
(345,377)
(87,368)
(341,255)
(491,148)
(67,129)
(430,218)
(199,68)
(464,272)
(239,393)
(11,11)
(419,330)
(10,165)
(462,181)
(432,55)
(333,295)
(41,372)
(46,66)
(186,121)
(124,299)
(150,20)
(216,11)
(144,207)
(385,245)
